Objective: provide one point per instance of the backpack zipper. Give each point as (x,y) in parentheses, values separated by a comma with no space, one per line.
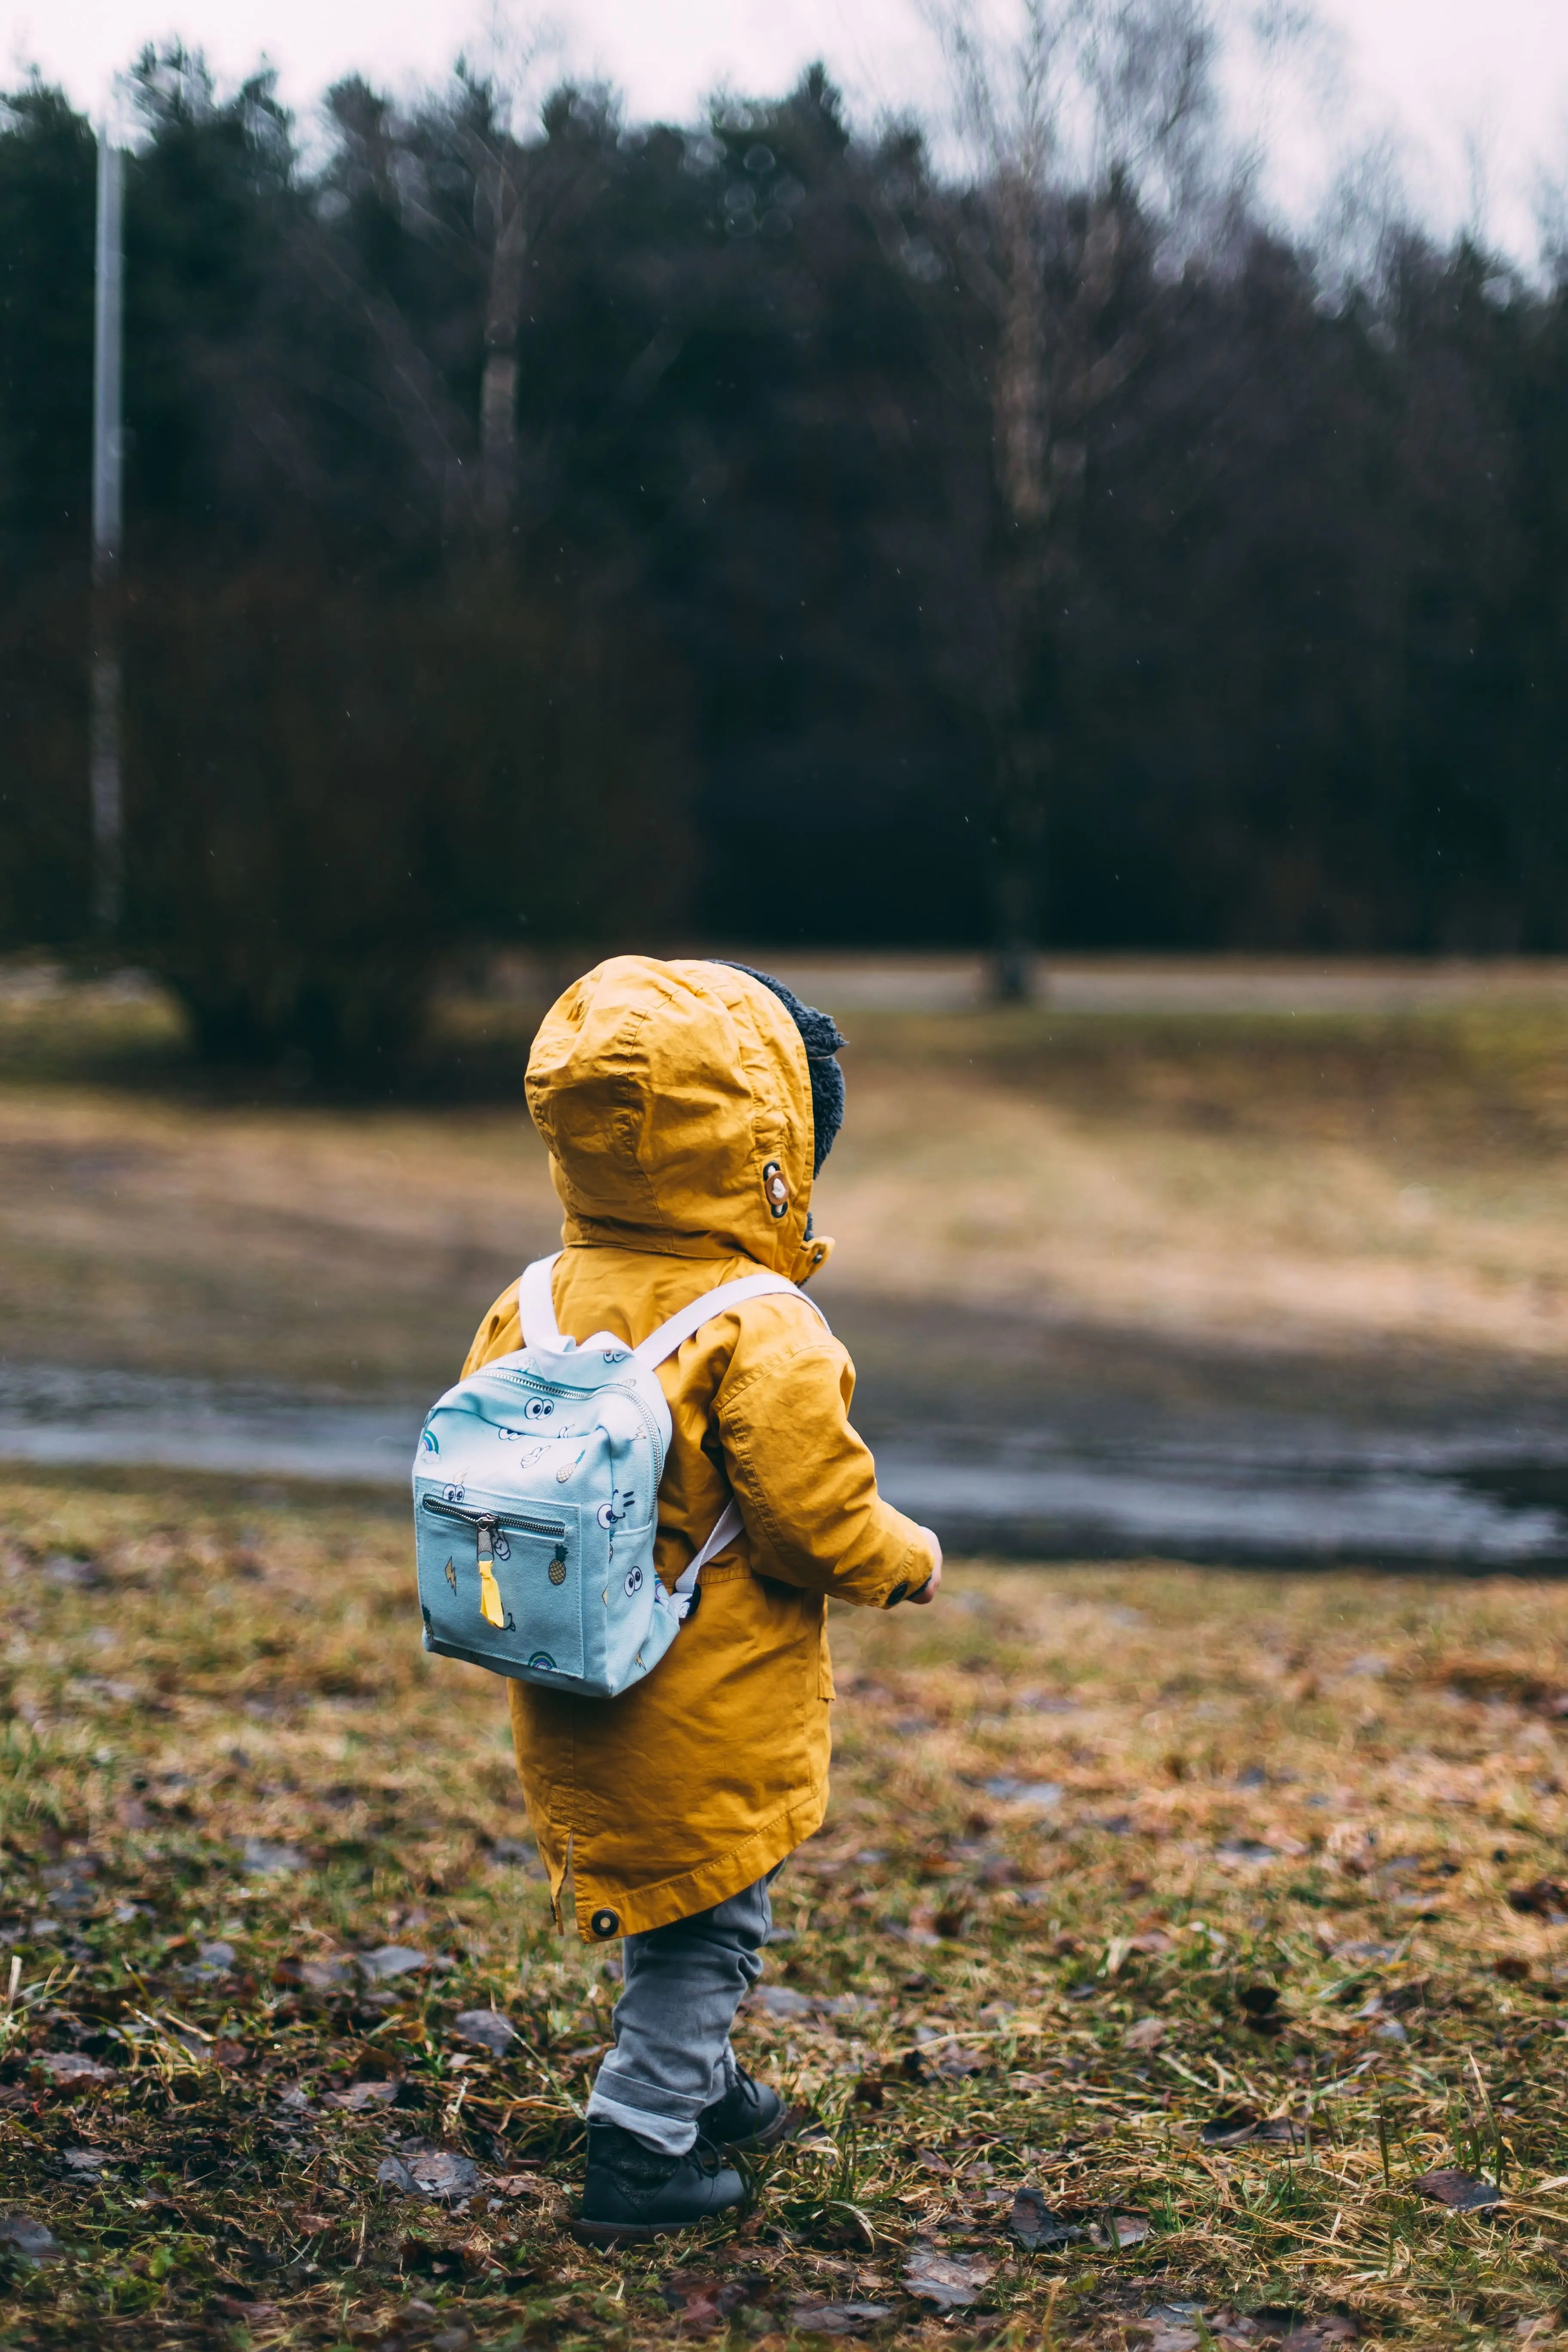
(487,1527)
(492,1519)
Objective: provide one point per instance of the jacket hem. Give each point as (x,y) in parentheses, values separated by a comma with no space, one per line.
(711,1881)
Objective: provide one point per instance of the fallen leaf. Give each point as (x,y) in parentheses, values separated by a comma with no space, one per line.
(952,2284)
(487,2029)
(391,1961)
(1131,2229)
(311,2225)
(837,2318)
(67,2069)
(360,2095)
(956,2064)
(1229,2128)
(1038,2225)
(515,2184)
(435,2172)
(28,2238)
(1543,1898)
(1460,2190)
(85,2161)
(325,1976)
(1250,1851)
(702,2303)
(234,2307)
(1316,2335)
(1147,2035)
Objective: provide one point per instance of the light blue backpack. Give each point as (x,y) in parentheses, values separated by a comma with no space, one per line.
(536,1501)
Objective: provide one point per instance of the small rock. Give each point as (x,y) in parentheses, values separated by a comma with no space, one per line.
(1037,1796)
(214,1960)
(780,2000)
(270,1859)
(837,2318)
(1251,1851)
(487,2029)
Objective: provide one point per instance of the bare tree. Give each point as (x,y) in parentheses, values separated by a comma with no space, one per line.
(1091,130)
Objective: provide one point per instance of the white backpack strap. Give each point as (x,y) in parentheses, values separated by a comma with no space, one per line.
(680,1327)
(728,1527)
(536,1306)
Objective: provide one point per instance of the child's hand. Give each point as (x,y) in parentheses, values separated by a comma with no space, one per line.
(933,1585)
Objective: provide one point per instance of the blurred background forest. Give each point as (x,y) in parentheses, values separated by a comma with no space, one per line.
(565,529)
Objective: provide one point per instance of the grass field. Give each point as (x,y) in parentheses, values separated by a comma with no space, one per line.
(1201,1913)
(1171,1926)
(1329,1184)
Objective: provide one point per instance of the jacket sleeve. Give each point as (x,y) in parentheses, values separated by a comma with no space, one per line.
(498,1334)
(806,1484)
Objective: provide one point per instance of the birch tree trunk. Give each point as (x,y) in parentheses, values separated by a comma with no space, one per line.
(505,194)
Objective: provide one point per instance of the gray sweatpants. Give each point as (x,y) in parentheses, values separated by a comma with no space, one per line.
(683,1985)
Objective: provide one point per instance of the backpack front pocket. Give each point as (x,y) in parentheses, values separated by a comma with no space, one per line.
(501,1587)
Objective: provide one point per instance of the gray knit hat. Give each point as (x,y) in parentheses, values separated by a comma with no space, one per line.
(820,1036)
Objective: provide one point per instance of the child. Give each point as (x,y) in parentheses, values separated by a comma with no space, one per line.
(687,1107)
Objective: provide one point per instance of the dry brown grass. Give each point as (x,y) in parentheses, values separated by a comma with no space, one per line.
(1319,1789)
(1328,1183)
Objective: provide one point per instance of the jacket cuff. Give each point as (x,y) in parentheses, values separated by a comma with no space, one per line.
(916,1568)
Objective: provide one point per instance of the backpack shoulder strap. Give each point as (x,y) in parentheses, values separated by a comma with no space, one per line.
(726,1527)
(536,1306)
(680,1327)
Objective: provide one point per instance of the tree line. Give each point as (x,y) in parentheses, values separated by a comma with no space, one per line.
(565,530)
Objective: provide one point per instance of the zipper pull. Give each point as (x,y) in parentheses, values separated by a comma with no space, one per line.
(491,1608)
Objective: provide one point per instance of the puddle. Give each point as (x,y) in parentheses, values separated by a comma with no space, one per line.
(1264,1488)
(1225,1508)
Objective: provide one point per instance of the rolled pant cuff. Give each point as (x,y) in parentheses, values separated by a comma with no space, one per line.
(672,2135)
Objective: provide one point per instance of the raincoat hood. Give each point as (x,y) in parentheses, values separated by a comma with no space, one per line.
(675,1099)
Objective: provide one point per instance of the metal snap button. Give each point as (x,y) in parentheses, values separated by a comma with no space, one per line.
(605,1924)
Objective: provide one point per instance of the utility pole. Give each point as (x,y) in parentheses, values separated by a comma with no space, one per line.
(107,809)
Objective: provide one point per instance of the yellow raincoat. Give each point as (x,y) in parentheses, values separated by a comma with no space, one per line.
(664,1092)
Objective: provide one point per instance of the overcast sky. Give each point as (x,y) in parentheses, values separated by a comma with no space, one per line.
(1478,96)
